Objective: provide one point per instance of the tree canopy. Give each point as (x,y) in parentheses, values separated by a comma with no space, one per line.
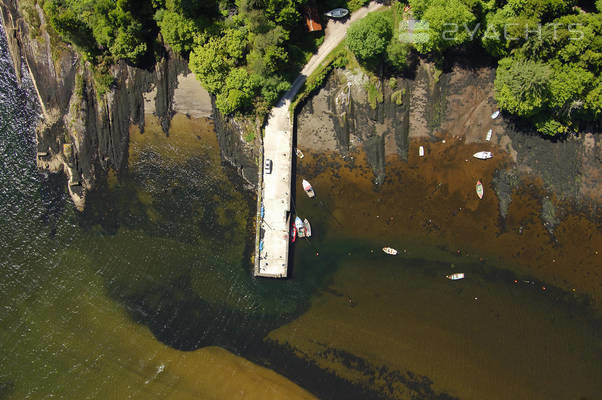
(246,52)
(368,38)
(549,51)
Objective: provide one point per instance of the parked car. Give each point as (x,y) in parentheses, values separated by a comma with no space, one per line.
(268,166)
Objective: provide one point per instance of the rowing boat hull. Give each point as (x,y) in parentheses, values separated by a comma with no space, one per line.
(308,189)
(307,228)
(483,155)
(390,250)
(300,227)
(479,189)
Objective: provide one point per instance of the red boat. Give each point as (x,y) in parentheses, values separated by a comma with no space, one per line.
(294,234)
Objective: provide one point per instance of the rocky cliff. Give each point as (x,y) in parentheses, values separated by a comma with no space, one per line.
(84,132)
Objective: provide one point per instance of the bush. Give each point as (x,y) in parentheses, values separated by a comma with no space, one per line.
(397,54)
(368,38)
(522,87)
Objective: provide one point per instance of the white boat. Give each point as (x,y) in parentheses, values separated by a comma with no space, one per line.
(390,250)
(307,228)
(456,276)
(308,189)
(337,13)
(489,132)
(300,227)
(421,151)
(483,155)
(299,153)
(495,114)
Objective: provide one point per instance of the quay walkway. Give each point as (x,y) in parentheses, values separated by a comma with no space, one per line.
(274,197)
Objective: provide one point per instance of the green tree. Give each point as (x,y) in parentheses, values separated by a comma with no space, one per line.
(268,53)
(210,64)
(522,87)
(70,27)
(177,30)
(368,38)
(237,93)
(397,54)
(116,29)
(508,27)
(447,20)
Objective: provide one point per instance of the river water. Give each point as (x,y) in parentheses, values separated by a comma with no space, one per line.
(149,294)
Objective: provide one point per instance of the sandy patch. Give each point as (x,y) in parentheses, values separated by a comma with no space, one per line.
(190,98)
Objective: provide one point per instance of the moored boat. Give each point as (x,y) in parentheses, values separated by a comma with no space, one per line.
(421,151)
(308,189)
(390,250)
(300,227)
(299,153)
(337,13)
(489,133)
(495,114)
(307,228)
(483,155)
(479,188)
(294,235)
(456,276)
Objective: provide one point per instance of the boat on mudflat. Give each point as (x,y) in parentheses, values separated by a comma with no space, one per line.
(479,189)
(308,189)
(483,155)
(299,153)
(390,250)
(456,276)
(495,114)
(307,228)
(300,227)
(337,13)
(489,133)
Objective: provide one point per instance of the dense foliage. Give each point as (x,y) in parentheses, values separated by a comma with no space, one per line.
(369,37)
(549,51)
(246,52)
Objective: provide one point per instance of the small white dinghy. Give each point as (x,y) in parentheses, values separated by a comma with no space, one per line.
(308,189)
(483,155)
(456,276)
(307,228)
(390,250)
(489,133)
(299,153)
(421,151)
(337,13)
(495,114)
(300,227)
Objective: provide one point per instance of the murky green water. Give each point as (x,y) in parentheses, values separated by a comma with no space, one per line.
(99,304)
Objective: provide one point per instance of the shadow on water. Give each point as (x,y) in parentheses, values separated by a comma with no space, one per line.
(205,222)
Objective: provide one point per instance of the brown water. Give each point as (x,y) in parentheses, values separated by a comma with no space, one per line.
(433,200)
(149,293)
(395,324)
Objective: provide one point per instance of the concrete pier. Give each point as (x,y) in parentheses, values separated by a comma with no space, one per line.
(275,194)
(273,230)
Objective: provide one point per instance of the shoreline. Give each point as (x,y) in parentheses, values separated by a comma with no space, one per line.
(423,202)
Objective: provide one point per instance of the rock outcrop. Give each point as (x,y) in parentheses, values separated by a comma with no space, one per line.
(382,116)
(84,132)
